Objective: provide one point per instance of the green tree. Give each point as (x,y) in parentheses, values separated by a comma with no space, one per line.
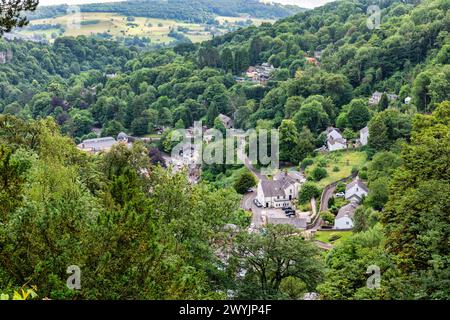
(384,102)
(245,181)
(312,116)
(358,114)
(308,191)
(274,255)
(288,140)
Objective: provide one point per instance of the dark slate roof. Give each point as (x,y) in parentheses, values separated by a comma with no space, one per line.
(273,188)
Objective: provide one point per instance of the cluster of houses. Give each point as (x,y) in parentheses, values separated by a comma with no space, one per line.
(376,97)
(354,192)
(259,74)
(335,140)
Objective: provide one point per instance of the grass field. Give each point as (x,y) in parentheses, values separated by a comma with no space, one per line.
(324,236)
(344,160)
(117,25)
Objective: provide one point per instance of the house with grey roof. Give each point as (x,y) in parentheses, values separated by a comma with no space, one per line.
(226,121)
(356,190)
(280,192)
(335,140)
(97,145)
(345,216)
(376,98)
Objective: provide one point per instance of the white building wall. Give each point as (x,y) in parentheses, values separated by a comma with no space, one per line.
(336,146)
(343,223)
(364,138)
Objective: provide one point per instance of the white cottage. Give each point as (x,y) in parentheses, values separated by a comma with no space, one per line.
(356,190)
(344,218)
(335,140)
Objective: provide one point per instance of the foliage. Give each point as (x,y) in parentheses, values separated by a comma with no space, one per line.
(308,191)
(274,255)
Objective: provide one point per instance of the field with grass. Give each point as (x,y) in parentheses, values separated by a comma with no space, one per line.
(338,165)
(116,25)
(327,236)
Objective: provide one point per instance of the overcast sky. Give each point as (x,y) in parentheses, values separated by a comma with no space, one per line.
(300,3)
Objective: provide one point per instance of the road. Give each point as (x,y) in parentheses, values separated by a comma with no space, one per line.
(328,193)
(247,204)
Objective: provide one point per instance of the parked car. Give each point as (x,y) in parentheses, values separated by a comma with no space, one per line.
(257,203)
(250,190)
(290,212)
(340,195)
(287,209)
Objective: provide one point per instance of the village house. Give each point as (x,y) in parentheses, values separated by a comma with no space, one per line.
(408,100)
(260,74)
(376,98)
(226,121)
(97,145)
(312,60)
(335,140)
(364,136)
(344,218)
(280,192)
(318,54)
(356,191)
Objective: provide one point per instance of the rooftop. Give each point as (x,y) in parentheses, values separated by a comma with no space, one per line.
(357,182)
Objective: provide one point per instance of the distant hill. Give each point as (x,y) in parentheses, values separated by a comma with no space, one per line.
(198,11)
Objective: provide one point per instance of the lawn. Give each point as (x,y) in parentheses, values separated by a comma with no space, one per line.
(324,236)
(344,160)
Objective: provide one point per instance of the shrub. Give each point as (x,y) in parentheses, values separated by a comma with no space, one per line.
(306,163)
(336,169)
(334,236)
(322,163)
(340,187)
(319,173)
(328,217)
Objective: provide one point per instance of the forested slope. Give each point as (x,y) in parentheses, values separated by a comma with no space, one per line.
(402,227)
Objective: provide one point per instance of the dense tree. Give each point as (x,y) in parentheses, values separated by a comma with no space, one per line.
(272,256)
(312,116)
(416,215)
(358,114)
(245,181)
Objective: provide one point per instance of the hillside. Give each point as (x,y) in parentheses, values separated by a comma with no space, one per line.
(58,204)
(195,11)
